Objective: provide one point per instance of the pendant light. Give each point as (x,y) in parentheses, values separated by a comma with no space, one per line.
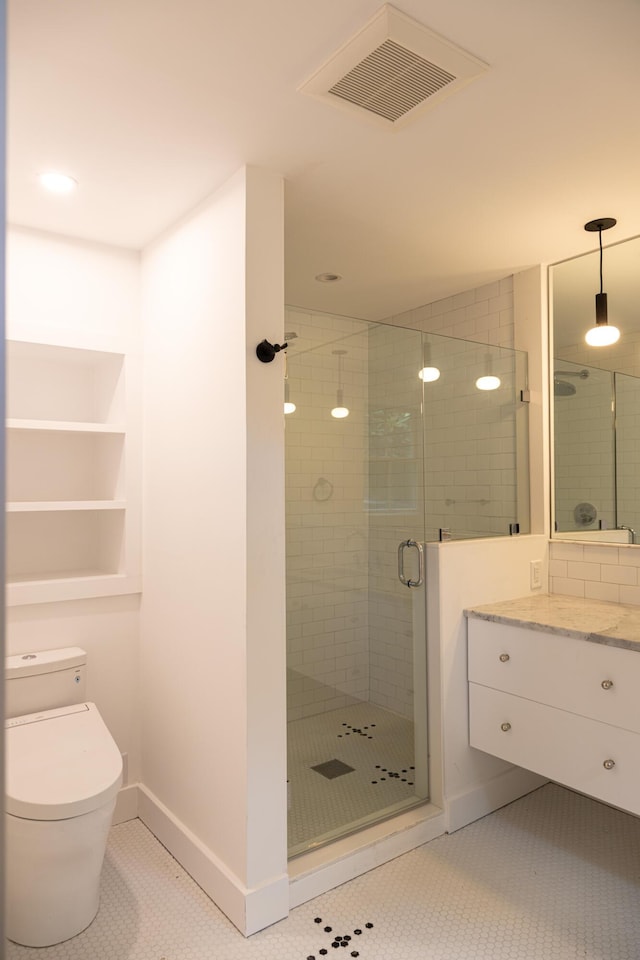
(604,333)
(488,380)
(289,406)
(339,411)
(429,373)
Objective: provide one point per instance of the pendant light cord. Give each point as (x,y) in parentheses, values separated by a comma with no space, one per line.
(600,239)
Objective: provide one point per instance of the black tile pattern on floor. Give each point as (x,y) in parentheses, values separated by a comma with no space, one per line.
(340,940)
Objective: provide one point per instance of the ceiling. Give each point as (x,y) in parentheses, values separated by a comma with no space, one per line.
(151,104)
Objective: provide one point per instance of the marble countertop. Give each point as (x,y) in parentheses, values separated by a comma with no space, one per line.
(615,624)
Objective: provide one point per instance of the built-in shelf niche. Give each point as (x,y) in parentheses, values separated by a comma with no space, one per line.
(71,522)
(55,383)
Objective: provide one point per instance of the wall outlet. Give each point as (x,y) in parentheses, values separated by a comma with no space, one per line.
(535,573)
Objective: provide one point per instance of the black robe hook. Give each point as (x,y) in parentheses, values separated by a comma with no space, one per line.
(266,351)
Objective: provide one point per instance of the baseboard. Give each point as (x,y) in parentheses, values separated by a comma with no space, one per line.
(126,804)
(322,870)
(249,909)
(487,797)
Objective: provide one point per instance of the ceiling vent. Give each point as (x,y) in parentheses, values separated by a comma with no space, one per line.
(393,69)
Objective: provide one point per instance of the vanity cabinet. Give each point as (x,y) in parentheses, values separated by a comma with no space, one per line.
(565,708)
(72,474)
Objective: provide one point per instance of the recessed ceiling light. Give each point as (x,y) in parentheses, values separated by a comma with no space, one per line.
(57,182)
(328,277)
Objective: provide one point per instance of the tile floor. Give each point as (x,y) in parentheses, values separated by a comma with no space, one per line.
(366,738)
(554,876)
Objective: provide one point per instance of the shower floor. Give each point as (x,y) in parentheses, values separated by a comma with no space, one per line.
(376,743)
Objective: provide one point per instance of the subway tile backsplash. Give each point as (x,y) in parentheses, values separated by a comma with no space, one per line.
(595,571)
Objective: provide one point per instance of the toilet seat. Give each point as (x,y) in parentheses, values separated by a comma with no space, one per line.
(61,763)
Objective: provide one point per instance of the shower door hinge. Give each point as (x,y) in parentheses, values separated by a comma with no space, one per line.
(525,396)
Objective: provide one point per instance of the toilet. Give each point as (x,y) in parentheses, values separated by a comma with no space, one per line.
(63,772)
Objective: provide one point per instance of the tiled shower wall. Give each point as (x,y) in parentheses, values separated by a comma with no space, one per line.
(597,446)
(628,451)
(327,534)
(471,454)
(584,467)
(349,620)
(484,315)
(396,511)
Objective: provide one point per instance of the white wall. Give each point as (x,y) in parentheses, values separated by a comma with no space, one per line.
(63,288)
(213,721)
(463,574)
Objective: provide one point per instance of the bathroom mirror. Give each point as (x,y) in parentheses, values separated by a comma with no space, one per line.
(595,398)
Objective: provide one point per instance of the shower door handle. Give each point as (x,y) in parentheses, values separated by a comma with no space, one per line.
(401,577)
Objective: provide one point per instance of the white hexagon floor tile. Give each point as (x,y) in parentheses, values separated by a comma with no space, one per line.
(554,876)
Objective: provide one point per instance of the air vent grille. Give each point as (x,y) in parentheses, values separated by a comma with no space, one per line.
(391,81)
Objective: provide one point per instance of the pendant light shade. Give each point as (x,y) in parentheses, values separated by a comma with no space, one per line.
(339,412)
(604,333)
(488,380)
(289,406)
(429,373)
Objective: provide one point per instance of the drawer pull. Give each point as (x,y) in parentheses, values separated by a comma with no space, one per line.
(505,727)
(609,764)
(504,657)
(606,684)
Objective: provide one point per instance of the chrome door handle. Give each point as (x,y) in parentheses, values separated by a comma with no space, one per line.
(401,577)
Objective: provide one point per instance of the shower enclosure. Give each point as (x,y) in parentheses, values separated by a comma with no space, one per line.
(596,453)
(389,443)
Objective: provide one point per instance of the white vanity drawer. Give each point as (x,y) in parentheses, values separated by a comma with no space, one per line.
(569,749)
(591,679)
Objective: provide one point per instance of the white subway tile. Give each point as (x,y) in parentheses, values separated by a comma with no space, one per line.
(578,570)
(629,594)
(617,574)
(558,568)
(602,591)
(568,587)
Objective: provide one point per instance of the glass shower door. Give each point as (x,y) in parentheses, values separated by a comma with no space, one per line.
(356,639)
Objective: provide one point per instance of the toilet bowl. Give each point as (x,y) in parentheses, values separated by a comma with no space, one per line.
(63,772)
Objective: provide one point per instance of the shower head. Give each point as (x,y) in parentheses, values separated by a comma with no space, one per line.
(580,374)
(563,389)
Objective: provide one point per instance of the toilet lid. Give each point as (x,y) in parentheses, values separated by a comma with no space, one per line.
(60,763)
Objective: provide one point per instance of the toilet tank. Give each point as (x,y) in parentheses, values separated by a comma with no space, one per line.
(42,681)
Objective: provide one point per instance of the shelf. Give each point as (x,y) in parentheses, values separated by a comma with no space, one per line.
(73,472)
(77,585)
(65,426)
(54,506)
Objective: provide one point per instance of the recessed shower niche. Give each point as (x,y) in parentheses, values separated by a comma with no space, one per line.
(411,458)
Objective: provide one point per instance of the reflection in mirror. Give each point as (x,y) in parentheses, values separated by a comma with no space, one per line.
(596,400)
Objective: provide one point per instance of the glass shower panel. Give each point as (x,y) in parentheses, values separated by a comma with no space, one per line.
(627,393)
(356,639)
(390,443)
(584,448)
(476,440)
